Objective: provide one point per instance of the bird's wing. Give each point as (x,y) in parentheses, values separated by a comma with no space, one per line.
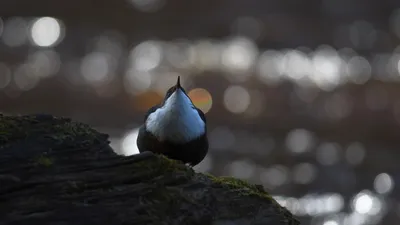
(146,141)
(202,116)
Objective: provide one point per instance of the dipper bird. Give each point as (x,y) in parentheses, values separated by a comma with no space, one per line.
(175,128)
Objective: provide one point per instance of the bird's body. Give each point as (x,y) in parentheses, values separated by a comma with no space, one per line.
(175,128)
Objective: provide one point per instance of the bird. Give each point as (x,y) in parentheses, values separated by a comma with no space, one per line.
(175,128)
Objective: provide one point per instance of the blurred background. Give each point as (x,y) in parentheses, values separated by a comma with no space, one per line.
(301,96)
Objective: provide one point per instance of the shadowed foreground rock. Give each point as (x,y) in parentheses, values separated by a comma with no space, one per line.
(54,171)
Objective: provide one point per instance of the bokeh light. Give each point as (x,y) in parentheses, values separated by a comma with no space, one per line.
(328,68)
(366,203)
(98,68)
(44,63)
(236,99)
(270,67)
(23,77)
(238,57)
(383,183)
(358,69)
(201,98)
(128,144)
(146,56)
(299,141)
(363,203)
(46,31)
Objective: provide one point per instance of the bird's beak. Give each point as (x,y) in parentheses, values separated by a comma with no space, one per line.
(178,83)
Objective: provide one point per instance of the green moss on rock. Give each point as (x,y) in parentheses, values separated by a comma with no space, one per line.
(170,165)
(44,160)
(16,128)
(243,187)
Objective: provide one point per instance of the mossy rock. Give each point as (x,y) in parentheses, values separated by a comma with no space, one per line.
(55,171)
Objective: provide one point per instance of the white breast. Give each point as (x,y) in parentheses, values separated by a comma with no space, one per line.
(176,121)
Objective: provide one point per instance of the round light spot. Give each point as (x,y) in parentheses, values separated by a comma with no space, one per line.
(239,54)
(334,202)
(128,145)
(363,203)
(296,65)
(44,63)
(238,57)
(299,140)
(359,69)
(96,67)
(236,99)
(146,56)
(46,31)
(201,98)
(383,183)
(270,67)
(24,79)
(327,68)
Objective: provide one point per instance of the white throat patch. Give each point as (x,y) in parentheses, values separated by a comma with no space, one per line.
(176,120)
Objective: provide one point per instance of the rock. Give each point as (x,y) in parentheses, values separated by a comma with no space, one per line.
(56,171)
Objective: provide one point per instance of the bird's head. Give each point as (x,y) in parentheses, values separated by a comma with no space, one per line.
(176,119)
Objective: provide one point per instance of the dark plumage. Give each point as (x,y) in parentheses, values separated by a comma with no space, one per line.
(175,128)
